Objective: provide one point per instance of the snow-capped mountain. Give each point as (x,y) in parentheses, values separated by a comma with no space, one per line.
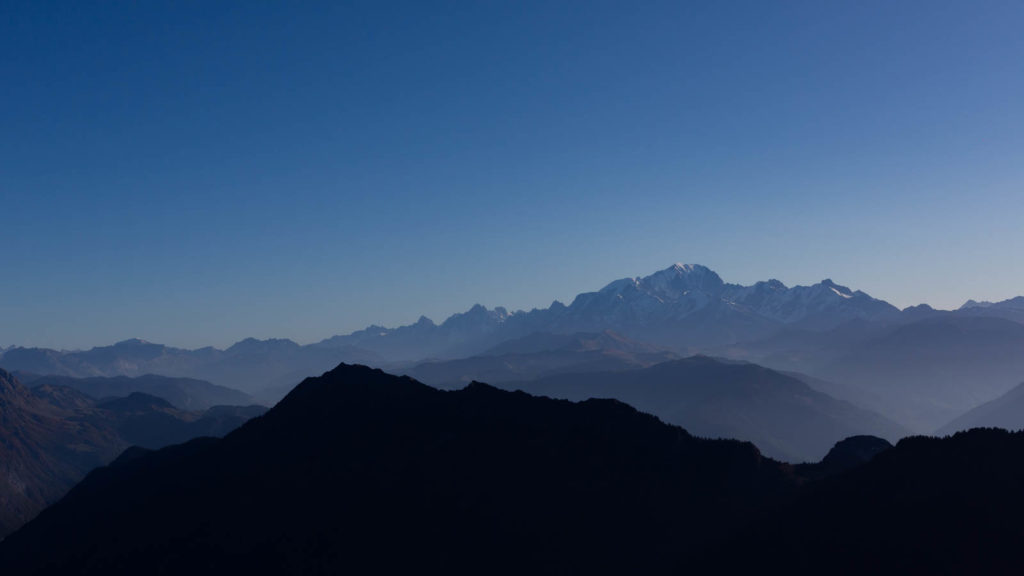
(684,305)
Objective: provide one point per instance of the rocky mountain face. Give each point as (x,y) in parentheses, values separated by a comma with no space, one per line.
(51,436)
(43,451)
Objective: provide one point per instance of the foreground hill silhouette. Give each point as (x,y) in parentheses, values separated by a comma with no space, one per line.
(360,471)
(928,506)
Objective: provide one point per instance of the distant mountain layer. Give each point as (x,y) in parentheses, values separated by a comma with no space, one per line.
(51,436)
(781,415)
(1005,412)
(183,393)
(250,365)
(361,472)
(928,372)
(542,354)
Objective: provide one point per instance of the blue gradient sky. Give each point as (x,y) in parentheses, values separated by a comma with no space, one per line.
(194,174)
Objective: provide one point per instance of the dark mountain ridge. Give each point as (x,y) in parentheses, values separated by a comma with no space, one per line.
(355,465)
(927,506)
(359,471)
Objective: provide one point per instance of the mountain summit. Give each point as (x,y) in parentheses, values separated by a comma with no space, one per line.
(681,306)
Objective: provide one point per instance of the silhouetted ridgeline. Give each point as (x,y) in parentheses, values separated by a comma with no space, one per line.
(359,471)
(928,506)
(362,471)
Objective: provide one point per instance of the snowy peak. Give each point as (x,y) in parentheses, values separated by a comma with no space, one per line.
(670,284)
(679,279)
(682,305)
(841,291)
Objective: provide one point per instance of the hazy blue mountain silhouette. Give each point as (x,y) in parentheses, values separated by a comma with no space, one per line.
(183,393)
(784,417)
(542,354)
(1006,411)
(250,365)
(926,373)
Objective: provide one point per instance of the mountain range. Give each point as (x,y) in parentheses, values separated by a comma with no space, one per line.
(919,367)
(249,365)
(683,306)
(183,393)
(360,471)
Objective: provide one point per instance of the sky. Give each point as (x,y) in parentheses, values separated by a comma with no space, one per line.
(194,173)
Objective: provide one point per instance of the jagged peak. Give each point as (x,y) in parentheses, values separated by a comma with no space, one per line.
(771,284)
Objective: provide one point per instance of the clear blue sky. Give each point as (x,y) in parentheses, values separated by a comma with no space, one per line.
(197,172)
